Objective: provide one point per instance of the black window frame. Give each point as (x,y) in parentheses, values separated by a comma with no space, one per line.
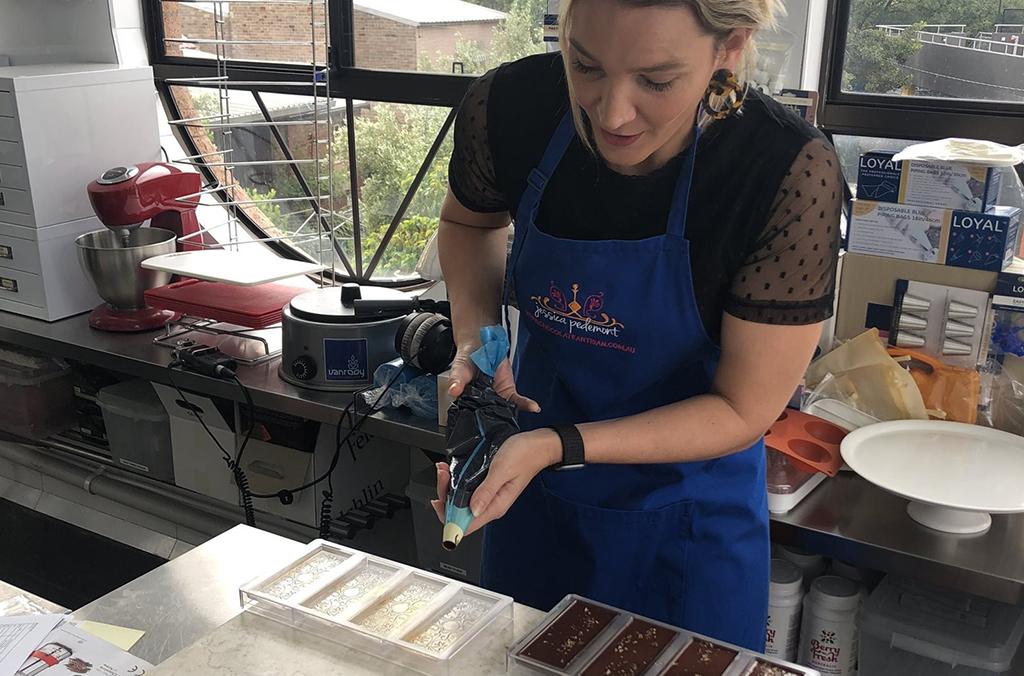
(905,117)
(346,82)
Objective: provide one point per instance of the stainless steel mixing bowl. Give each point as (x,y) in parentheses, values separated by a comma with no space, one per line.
(116,270)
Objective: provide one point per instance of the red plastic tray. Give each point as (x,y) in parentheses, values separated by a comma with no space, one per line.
(255,307)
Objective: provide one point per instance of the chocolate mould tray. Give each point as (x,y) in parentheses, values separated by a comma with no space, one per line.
(607,627)
(424,622)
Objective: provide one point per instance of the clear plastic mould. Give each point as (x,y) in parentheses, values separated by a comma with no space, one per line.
(400,614)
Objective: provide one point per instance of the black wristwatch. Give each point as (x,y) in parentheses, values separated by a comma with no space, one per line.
(573,455)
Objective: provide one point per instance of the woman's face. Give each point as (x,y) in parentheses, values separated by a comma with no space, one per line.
(640,73)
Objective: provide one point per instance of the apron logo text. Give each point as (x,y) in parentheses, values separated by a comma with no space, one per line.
(583,322)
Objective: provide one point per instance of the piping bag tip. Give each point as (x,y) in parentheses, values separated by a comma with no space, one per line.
(452,536)
(456,522)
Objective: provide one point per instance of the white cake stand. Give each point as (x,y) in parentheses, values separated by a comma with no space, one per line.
(955,475)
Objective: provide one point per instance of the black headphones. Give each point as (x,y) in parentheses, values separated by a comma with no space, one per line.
(425,340)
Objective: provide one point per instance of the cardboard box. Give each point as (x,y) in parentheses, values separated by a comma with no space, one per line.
(927,184)
(982,241)
(867,285)
(1008,317)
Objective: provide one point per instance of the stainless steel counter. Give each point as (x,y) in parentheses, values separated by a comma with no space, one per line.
(845,517)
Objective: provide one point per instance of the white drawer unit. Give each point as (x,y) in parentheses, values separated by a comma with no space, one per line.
(40,275)
(6,104)
(11,153)
(61,126)
(13,177)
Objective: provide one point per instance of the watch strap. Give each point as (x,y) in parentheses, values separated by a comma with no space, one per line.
(573,453)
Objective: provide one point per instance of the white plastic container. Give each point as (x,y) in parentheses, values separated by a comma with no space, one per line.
(36,394)
(911,629)
(785,597)
(828,633)
(138,428)
(811,565)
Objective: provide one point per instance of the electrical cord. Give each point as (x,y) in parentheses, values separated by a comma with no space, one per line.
(287,496)
(234,464)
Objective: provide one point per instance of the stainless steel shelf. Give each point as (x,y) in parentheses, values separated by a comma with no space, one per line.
(850,519)
(136,355)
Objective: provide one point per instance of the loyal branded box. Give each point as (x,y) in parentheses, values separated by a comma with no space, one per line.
(965,239)
(927,184)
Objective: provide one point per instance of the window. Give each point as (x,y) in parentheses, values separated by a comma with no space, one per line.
(389,143)
(276,31)
(920,69)
(445,36)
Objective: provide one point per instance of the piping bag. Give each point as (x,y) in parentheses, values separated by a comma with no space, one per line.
(479,422)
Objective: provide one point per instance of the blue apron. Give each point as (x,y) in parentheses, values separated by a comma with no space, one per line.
(611,328)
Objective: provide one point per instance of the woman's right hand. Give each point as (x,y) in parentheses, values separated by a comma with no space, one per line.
(464,370)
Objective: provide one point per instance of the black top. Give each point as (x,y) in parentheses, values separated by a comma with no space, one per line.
(764,210)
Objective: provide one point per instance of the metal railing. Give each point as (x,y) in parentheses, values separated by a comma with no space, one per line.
(980,44)
(1011,28)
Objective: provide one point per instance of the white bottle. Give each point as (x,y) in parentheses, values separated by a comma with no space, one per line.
(812,565)
(828,633)
(784,605)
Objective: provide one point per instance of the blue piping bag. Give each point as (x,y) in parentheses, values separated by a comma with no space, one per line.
(479,422)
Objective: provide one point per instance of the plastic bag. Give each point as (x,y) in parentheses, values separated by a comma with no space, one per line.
(964,151)
(950,392)
(479,422)
(861,374)
(1003,395)
(413,389)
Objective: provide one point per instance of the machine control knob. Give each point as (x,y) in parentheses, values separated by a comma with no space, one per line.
(350,293)
(303,367)
(117,175)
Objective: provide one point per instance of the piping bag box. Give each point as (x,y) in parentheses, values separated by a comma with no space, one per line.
(479,422)
(982,241)
(944,185)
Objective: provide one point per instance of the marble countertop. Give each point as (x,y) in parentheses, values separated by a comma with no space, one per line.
(251,645)
(17,598)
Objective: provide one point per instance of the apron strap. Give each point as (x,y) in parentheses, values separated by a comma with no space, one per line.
(676,228)
(536,182)
(538,178)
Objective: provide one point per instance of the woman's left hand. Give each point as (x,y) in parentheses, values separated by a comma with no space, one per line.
(519,459)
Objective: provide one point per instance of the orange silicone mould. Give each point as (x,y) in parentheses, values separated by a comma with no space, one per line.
(812,443)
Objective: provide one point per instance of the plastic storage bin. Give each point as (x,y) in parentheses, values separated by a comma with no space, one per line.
(138,428)
(399,614)
(462,563)
(911,629)
(37,394)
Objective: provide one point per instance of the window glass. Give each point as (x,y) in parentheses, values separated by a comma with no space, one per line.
(254,31)
(968,49)
(392,141)
(275,180)
(446,36)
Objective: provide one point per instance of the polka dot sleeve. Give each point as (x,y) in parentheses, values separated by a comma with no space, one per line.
(789,277)
(471,174)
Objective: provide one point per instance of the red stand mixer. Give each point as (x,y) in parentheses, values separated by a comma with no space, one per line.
(123,199)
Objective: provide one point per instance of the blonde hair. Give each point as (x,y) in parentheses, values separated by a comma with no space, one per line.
(718,18)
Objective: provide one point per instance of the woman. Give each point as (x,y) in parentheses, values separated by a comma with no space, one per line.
(674,257)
